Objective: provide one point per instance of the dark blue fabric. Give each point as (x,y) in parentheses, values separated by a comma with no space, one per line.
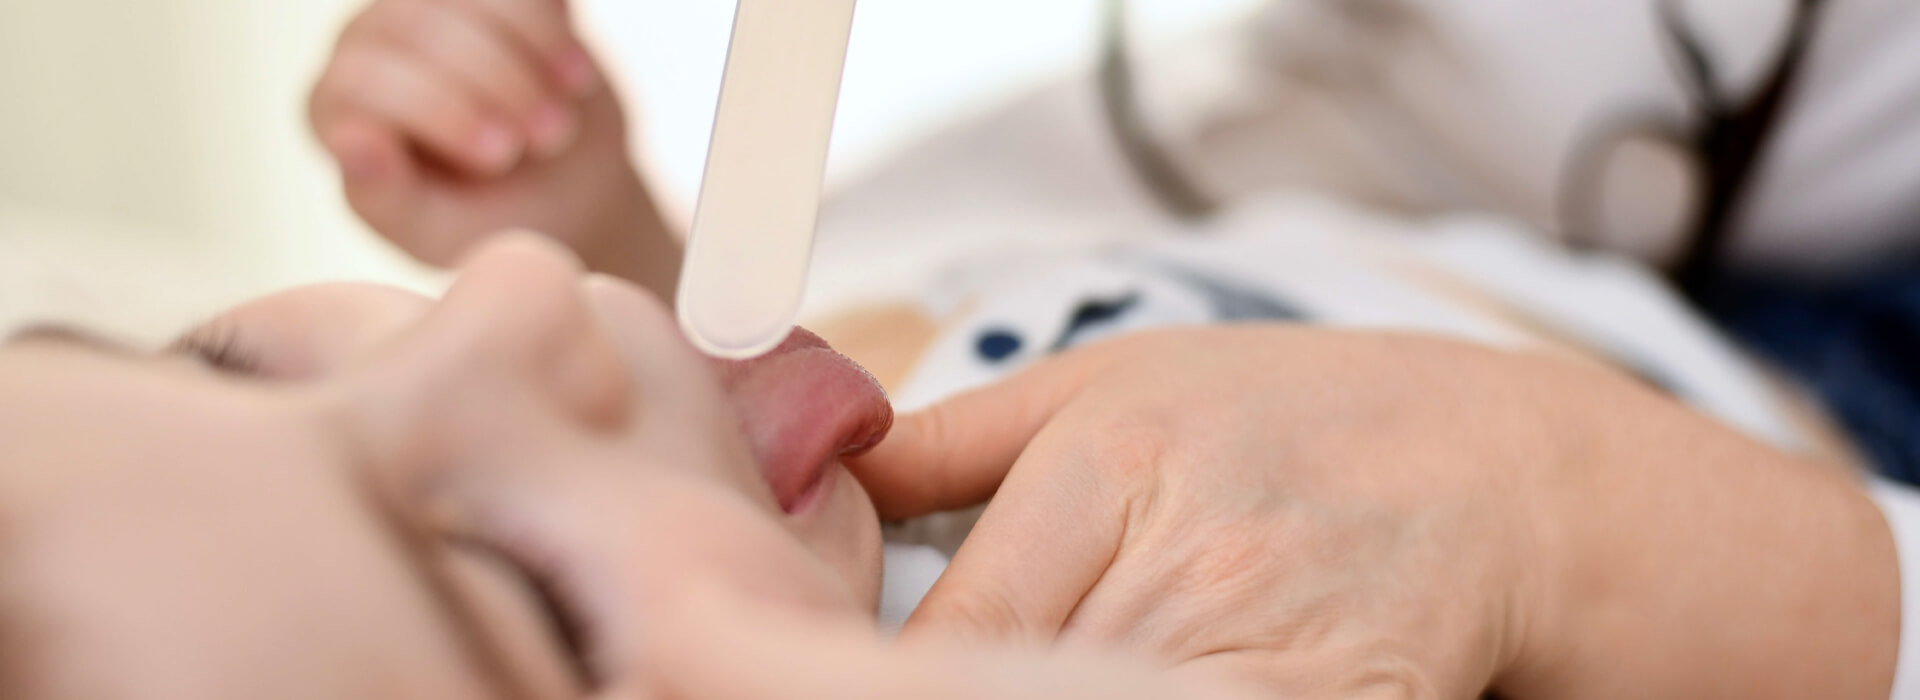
(997,344)
(1857,345)
(1091,314)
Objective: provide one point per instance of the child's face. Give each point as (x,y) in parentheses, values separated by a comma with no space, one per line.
(256,530)
(801,407)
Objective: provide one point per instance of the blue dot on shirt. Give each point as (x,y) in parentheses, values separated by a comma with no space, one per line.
(997,345)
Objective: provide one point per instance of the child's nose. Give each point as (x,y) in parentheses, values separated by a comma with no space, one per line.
(517,313)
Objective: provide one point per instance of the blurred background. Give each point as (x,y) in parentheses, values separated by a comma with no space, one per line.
(156,164)
(155,160)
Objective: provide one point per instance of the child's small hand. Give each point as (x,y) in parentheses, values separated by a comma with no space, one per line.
(452,119)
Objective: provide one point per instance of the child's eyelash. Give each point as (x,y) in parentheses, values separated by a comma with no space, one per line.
(219,346)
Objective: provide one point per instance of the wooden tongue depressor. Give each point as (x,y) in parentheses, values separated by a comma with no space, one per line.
(752,240)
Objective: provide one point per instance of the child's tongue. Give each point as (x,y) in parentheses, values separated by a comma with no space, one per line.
(802,406)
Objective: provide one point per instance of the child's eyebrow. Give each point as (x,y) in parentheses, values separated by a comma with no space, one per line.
(208,343)
(70,336)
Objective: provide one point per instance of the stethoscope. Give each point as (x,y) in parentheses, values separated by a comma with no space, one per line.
(1163,177)
(1725,136)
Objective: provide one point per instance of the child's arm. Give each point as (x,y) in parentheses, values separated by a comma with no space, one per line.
(454,119)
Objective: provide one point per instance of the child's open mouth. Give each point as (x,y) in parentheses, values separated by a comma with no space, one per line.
(804,406)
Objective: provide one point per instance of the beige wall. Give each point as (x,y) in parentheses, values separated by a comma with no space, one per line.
(153,153)
(178,114)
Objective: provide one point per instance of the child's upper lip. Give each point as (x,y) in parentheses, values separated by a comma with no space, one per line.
(803,405)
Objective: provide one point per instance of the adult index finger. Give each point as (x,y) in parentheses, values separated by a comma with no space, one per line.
(955,454)
(1040,547)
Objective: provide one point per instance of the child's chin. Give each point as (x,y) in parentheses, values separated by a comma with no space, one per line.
(840,524)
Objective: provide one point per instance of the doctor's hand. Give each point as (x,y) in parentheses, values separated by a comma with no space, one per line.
(1332,514)
(454,119)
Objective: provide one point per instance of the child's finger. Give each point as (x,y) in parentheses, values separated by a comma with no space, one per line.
(432,110)
(382,181)
(367,150)
(545,28)
(489,64)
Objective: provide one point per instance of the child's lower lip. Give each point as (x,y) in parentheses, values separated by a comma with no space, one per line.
(814,494)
